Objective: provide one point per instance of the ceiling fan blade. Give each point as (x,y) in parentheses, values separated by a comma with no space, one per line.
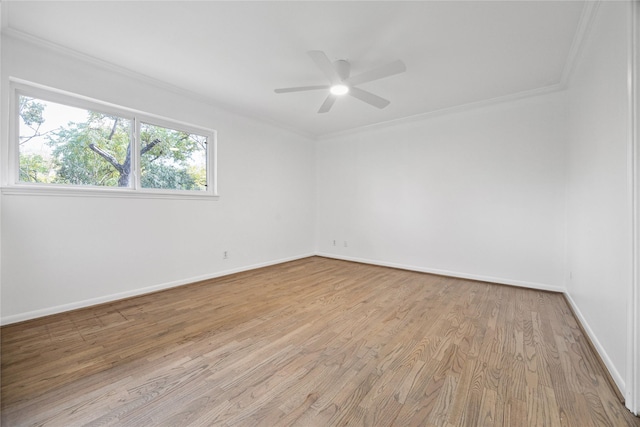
(368,97)
(325,65)
(300,89)
(328,103)
(381,72)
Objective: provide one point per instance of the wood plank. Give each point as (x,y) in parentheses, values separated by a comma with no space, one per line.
(313,342)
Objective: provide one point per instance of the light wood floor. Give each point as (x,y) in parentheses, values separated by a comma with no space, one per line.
(314,342)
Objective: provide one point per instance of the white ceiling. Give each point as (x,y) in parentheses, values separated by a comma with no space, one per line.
(236,53)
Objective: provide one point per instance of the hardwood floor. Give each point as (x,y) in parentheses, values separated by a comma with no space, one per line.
(314,342)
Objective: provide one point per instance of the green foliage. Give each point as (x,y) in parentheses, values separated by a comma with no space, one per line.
(34,168)
(199,175)
(77,163)
(97,152)
(159,175)
(167,159)
(31,111)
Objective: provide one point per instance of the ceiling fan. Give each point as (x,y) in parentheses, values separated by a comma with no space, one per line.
(341,83)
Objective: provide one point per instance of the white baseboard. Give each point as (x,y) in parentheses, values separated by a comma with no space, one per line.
(137,292)
(499,280)
(601,351)
(599,348)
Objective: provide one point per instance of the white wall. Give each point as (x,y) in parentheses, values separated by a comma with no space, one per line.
(478,194)
(531,192)
(598,231)
(63,252)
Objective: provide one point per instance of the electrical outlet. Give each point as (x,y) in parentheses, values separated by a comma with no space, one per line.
(345,243)
(334,243)
(225,255)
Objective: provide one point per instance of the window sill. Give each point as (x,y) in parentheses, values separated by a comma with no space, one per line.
(28,190)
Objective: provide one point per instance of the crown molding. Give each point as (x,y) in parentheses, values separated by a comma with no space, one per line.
(587,17)
(152,81)
(585,23)
(589,12)
(448,110)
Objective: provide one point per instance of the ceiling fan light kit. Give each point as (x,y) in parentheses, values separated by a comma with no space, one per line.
(341,83)
(339,89)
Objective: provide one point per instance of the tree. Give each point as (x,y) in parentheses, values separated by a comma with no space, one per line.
(166,158)
(97,151)
(93,152)
(31,114)
(33,167)
(159,175)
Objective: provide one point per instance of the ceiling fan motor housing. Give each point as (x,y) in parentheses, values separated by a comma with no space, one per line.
(343,68)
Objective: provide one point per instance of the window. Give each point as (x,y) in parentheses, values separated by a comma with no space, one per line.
(60,144)
(69,143)
(172,159)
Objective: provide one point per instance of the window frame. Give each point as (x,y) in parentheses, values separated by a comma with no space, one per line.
(13,185)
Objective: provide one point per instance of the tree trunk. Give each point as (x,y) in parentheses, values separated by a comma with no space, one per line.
(125,171)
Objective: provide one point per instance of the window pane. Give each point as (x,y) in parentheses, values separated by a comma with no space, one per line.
(59,144)
(172,159)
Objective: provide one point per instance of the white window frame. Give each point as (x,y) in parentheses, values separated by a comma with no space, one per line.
(13,185)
